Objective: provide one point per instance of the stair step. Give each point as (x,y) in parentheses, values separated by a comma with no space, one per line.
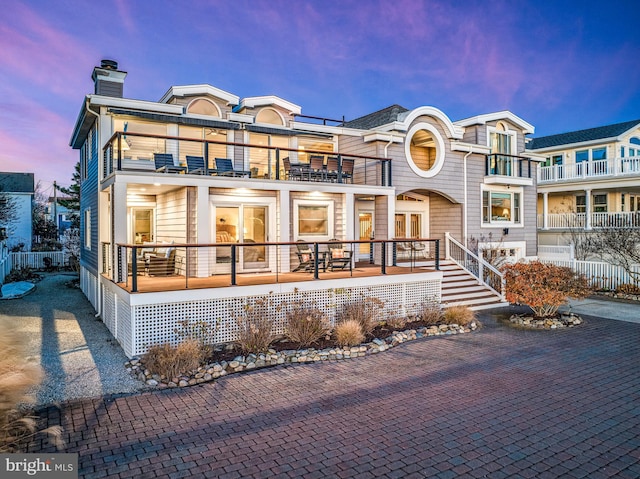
(482,293)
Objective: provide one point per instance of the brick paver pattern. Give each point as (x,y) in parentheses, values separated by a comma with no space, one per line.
(500,402)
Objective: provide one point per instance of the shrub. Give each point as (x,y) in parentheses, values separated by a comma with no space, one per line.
(430,314)
(172,361)
(543,287)
(24,273)
(461,315)
(349,333)
(628,288)
(306,324)
(255,325)
(396,321)
(201,331)
(17,376)
(366,312)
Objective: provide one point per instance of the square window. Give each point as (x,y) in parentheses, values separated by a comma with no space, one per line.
(500,207)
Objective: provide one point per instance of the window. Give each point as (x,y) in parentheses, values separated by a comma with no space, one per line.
(87,228)
(600,203)
(502,143)
(622,152)
(632,152)
(313,220)
(202,106)
(582,155)
(424,149)
(556,160)
(599,154)
(501,207)
(269,115)
(581,204)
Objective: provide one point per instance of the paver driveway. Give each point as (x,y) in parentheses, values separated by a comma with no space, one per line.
(500,402)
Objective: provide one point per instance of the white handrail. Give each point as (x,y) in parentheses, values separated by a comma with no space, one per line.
(482,265)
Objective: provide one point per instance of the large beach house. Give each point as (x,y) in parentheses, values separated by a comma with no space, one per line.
(202,201)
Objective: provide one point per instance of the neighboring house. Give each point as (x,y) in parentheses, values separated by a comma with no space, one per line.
(224,187)
(18,189)
(59,214)
(590,179)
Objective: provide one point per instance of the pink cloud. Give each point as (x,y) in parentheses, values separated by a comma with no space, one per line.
(38,52)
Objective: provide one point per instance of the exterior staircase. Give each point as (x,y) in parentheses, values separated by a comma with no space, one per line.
(460,288)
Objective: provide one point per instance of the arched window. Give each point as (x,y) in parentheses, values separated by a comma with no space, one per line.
(424,149)
(202,106)
(271,116)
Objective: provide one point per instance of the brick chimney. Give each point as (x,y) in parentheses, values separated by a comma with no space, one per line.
(108,80)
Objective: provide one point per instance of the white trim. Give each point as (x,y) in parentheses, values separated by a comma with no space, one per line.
(470,148)
(201,89)
(239,117)
(283,124)
(454,131)
(330,204)
(498,115)
(256,101)
(439,163)
(382,137)
(109,101)
(501,189)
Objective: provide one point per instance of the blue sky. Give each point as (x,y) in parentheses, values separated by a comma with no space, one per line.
(560,65)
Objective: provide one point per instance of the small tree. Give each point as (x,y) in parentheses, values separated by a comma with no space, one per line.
(72,200)
(619,246)
(543,287)
(45,231)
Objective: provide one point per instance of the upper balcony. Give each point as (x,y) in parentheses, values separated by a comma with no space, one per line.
(598,169)
(508,170)
(155,154)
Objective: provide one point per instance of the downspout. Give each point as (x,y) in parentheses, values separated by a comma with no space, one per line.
(98,299)
(464,211)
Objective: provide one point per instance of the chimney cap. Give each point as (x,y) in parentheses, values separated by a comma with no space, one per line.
(109,64)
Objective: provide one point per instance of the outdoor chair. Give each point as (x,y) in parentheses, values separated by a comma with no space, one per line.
(164,163)
(224,167)
(333,166)
(306,258)
(339,258)
(50,265)
(163,265)
(347,170)
(291,172)
(195,165)
(316,165)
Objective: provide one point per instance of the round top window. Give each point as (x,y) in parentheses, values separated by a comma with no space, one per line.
(424,150)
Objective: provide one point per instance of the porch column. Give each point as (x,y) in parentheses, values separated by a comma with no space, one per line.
(587,218)
(545,211)
(350,212)
(203,233)
(120,224)
(283,260)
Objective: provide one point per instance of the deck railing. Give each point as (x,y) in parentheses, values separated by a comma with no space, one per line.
(590,169)
(498,164)
(236,264)
(484,272)
(135,152)
(615,219)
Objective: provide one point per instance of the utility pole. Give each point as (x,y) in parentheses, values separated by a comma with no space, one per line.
(55,207)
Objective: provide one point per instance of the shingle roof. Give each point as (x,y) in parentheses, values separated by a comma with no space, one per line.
(590,134)
(377,118)
(16,182)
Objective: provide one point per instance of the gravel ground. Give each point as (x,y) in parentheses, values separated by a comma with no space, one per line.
(79,356)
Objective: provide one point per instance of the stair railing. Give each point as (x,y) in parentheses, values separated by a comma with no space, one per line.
(480,269)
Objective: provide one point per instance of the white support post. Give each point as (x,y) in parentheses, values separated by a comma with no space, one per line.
(587,218)
(203,231)
(545,211)
(284,262)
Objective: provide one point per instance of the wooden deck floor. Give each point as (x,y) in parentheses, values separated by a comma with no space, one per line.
(148,284)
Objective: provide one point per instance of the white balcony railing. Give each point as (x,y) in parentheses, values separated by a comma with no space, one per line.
(598,220)
(590,169)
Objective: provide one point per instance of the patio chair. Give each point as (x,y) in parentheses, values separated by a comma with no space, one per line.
(163,265)
(164,163)
(347,170)
(50,265)
(339,258)
(291,172)
(316,165)
(195,165)
(333,165)
(305,257)
(224,167)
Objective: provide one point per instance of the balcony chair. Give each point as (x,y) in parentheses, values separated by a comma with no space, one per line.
(316,165)
(291,172)
(164,163)
(224,167)
(339,258)
(195,165)
(347,170)
(333,165)
(306,258)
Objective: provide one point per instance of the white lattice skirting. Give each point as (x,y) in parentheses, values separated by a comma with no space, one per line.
(139,321)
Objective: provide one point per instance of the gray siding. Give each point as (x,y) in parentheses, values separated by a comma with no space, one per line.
(444,217)
(171,220)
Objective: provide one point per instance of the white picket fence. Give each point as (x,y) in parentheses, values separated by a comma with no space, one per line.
(35,260)
(602,275)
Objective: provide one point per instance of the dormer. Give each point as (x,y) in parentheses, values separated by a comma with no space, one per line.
(269,110)
(204,101)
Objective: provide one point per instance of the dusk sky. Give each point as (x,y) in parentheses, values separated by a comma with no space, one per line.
(560,65)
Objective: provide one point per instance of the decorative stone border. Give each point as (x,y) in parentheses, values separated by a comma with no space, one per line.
(566,320)
(214,371)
